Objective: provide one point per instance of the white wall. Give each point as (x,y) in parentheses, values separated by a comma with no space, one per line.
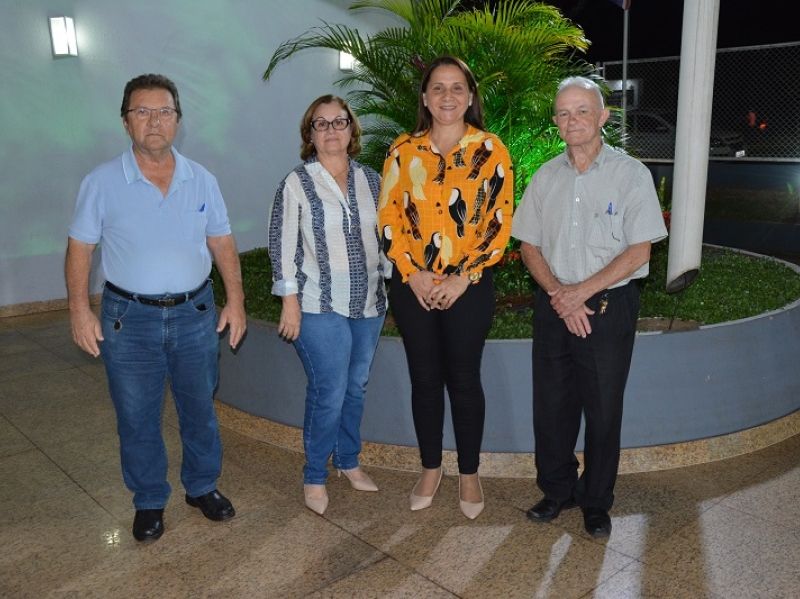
(60,117)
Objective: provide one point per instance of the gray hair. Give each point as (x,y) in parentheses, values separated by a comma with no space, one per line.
(583,83)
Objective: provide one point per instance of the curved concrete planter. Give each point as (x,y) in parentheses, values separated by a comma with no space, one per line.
(683,386)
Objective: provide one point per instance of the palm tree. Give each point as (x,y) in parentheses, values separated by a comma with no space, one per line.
(518,49)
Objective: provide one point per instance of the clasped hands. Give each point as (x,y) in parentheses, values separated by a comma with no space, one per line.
(569,302)
(435,291)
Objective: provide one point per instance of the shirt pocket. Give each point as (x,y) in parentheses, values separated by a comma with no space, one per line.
(193,225)
(605,234)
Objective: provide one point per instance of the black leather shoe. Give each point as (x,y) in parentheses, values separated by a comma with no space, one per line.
(148,525)
(596,522)
(214,505)
(548,509)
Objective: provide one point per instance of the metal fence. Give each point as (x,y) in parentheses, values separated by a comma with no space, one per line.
(756,106)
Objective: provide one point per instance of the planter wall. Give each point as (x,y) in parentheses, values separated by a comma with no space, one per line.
(683,386)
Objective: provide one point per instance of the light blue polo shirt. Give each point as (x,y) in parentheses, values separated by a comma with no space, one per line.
(149,243)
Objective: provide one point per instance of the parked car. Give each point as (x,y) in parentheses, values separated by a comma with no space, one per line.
(650,135)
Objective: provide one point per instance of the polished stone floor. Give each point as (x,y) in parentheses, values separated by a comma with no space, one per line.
(726,529)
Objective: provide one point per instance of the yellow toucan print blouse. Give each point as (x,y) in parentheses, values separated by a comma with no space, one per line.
(446,214)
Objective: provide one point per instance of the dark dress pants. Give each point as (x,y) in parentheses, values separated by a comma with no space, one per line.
(574,376)
(444,348)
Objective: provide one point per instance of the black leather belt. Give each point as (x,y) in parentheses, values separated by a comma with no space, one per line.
(163,301)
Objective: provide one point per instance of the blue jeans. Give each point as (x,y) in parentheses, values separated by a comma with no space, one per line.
(145,345)
(336,352)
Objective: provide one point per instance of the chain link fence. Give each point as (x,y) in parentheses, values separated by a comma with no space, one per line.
(754,114)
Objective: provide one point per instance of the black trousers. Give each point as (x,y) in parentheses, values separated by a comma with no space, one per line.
(572,376)
(444,348)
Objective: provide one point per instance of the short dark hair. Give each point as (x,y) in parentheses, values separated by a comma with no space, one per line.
(474,114)
(307,149)
(149,81)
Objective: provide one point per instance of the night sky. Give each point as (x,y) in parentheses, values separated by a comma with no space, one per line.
(655,25)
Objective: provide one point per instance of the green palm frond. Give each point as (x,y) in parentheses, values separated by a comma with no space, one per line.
(334,37)
(518,49)
(411,11)
(402,8)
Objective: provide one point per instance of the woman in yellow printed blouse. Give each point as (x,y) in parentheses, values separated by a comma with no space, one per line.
(445,216)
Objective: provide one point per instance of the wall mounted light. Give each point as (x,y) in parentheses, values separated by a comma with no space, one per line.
(62,34)
(346,61)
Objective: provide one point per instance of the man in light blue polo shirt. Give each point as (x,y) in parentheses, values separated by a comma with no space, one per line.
(159,219)
(586,222)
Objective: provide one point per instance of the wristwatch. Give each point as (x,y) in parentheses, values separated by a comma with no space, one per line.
(475,276)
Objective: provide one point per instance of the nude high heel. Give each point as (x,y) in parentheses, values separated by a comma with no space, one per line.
(469,509)
(314,502)
(420,502)
(359,479)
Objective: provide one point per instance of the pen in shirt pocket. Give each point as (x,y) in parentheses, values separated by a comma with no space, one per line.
(203,207)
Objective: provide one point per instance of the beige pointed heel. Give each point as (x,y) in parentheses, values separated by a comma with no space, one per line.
(359,479)
(420,502)
(315,501)
(470,509)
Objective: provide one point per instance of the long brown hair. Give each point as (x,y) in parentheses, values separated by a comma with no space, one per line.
(474,114)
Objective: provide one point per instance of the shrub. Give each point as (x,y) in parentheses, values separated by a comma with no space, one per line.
(730,286)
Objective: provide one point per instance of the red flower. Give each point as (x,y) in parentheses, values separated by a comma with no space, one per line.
(509,257)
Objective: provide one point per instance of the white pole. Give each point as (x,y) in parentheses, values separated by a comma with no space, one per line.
(695,93)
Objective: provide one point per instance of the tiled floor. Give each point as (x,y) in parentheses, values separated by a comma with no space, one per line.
(727,529)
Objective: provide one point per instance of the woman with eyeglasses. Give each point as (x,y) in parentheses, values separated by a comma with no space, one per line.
(325,253)
(445,215)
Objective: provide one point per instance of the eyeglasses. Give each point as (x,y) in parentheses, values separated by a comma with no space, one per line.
(163,114)
(339,123)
